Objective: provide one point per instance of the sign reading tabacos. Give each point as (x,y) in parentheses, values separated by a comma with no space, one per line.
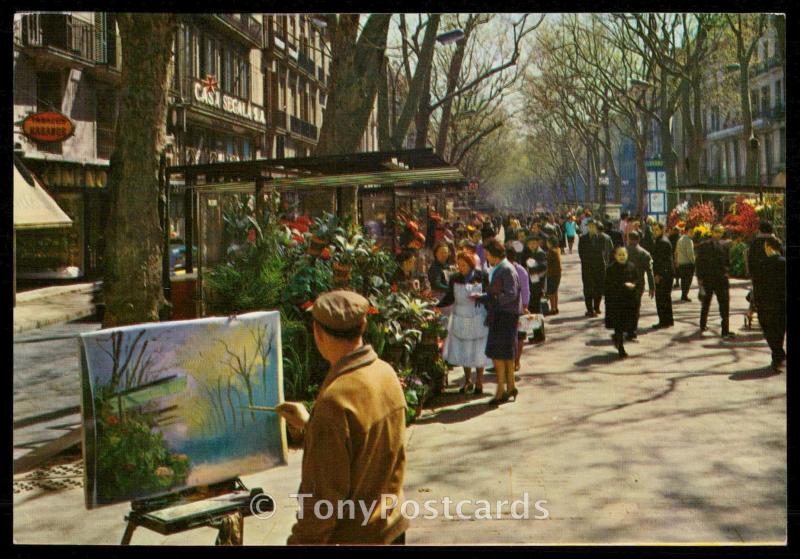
(207,91)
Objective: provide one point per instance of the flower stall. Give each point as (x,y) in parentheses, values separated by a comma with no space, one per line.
(257,250)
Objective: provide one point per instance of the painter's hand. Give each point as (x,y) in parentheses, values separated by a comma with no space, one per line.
(295,414)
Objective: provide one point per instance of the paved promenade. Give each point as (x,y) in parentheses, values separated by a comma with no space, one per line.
(683,442)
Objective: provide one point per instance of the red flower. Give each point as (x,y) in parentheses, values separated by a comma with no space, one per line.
(301,227)
(251,236)
(304,219)
(372,310)
(298,238)
(376,248)
(307,305)
(325,254)
(112,420)
(394,288)
(437,310)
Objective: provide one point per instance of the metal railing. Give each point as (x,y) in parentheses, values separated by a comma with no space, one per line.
(245,23)
(306,63)
(60,31)
(305,129)
(280,118)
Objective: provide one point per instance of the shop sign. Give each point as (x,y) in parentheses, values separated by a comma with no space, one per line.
(49,127)
(207,92)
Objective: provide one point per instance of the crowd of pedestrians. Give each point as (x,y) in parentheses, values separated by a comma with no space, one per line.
(495,278)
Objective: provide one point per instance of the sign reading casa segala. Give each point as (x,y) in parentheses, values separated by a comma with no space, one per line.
(210,95)
(50,127)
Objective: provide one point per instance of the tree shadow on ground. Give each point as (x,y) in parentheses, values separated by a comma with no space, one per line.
(457,415)
(693,337)
(600,343)
(600,359)
(755,374)
(563,319)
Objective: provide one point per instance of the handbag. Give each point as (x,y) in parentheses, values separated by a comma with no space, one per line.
(545,307)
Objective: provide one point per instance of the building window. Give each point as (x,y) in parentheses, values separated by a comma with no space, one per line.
(782,145)
(226,70)
(764,100)
(778,93)
(280,147)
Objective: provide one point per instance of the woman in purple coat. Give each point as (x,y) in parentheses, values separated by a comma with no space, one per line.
(502,303)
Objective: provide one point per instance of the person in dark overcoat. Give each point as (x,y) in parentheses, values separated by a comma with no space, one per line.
(620,293)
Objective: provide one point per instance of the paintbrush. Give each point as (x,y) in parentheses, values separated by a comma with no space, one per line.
(259,408)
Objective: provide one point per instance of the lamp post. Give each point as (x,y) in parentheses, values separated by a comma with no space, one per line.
(635,92)
(603,184)
(452,36)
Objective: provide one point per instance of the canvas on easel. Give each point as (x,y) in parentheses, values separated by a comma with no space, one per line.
(171,405)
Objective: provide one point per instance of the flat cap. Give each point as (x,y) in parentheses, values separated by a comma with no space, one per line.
(340,310)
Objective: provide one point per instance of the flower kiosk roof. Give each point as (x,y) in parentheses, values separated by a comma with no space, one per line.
(730,189)
(412,169)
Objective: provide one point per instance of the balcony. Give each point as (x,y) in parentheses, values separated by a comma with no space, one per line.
(777,112)
(60,34)
(246,25)
(306,63)
(305,129)
(764,66)
(279,119)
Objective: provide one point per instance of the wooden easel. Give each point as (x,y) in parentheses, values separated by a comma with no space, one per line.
(193,508)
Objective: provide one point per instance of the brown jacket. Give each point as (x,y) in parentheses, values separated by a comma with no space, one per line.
(354,449)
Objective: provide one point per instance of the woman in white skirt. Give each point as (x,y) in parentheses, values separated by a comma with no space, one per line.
(466,329)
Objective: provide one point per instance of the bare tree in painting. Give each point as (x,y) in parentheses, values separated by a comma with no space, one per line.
(264,339)
(131,362)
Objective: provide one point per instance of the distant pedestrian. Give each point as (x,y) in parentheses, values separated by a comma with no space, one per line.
(525,296)
(502,302)
(756,256)
(620,293)
(685,263)
(570,229)
(640,258)
(535,260)
(772,305)
(595,251)
(553,273)
(663,275)
(648,242)
(437,273)
(713,263)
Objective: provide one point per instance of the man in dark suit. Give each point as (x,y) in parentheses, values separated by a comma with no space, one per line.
(713,262)
(772,306)
(594,249)
(663,276)
(756,256)
(536,264)
(616,236)
(644,266)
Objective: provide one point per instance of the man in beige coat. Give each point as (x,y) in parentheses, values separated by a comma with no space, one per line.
(354,438)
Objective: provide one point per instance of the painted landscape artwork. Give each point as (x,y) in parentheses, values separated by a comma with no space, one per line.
(169,405)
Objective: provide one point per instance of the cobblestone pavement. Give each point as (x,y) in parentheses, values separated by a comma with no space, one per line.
(683,442)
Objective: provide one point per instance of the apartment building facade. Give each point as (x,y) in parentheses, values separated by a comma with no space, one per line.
(726,147)
(68,64)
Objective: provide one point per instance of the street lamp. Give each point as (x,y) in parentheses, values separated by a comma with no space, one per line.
(451,36)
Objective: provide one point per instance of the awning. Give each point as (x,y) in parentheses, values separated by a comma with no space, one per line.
(33,206)
(396,178)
